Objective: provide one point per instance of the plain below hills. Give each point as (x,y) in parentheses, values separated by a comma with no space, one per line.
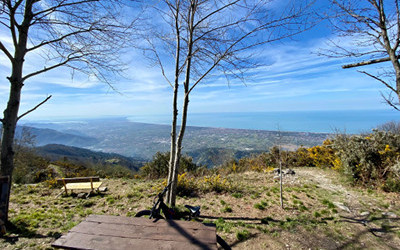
(207,146)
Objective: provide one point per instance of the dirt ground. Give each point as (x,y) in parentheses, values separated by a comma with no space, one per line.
(364,219)
(321,211)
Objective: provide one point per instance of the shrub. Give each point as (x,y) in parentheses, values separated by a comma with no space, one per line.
(369,159)
(186,186)
(242,235)
(300,158)
(158,166)
(392,183)
(215,183)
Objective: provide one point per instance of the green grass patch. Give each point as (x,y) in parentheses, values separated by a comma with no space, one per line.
(242,235)
(226,209)
(237,195)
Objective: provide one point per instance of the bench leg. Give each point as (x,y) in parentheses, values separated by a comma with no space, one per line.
(65,187)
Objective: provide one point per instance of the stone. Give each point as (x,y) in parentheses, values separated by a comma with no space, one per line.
(81,195)
(342,206)
(365,214)
(390,215)
(103,189)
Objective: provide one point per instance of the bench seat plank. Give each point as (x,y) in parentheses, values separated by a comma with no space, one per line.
(83,185)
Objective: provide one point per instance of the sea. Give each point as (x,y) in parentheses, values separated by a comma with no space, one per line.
(349,121)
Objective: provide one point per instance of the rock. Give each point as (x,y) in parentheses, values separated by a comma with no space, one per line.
(365,214)
(103,189)
(390,215)
(82,195)
(289,171)
(342,206)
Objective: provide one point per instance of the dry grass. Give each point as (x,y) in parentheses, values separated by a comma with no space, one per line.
(248,218)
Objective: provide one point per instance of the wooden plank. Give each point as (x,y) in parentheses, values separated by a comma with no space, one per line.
(83,185)
(180,234)
(78,179)
(147,222)
(86,241)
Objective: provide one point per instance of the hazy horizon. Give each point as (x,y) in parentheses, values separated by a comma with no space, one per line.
(349,121)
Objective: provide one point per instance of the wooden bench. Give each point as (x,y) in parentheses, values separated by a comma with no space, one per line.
(80,183)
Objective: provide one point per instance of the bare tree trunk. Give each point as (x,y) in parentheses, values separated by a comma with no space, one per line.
(64,38)
(172,158)
(178,152)
(10,118)
(178,144)
(7,139)
(213,38)
(170,196)
(386,41)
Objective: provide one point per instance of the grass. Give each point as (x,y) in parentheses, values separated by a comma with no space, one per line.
(251,217)
(242,235)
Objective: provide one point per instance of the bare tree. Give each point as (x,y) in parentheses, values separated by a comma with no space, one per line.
(374,27)
(203,37)
(84,35)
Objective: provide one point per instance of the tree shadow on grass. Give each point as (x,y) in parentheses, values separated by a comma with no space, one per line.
(277,226)
(377,231)
(22,230)
(250,236)
(232,218)
(289,224)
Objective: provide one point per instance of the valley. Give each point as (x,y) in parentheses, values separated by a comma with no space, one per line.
(141,140)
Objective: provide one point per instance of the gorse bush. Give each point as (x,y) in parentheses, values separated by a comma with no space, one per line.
(370,160)
(322,156)
(189,185)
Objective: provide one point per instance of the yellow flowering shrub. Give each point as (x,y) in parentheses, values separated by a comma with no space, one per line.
(215,183)
(322,156)
(370,159)
(187,186)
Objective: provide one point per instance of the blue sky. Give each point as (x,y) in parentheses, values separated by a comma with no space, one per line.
(294,78)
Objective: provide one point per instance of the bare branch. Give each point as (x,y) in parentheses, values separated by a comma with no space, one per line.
(352,65)
(374,29)
(31,110)
(4,49)
(45,69)
(390,102)
(380,80)
(214,12)
(43,43)
(159,62)
(62,4)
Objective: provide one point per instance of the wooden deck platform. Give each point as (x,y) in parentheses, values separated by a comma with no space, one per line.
(118,232)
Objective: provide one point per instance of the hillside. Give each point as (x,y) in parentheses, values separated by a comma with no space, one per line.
(140,140)
(321,211)
(44,136)
(55,152)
